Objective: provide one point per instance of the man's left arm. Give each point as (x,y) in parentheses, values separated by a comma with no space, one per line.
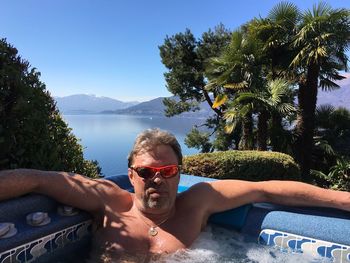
(227,194)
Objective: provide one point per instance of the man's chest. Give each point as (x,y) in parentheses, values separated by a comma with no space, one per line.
(131,233)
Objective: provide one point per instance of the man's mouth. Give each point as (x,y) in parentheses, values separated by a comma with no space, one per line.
(156,193)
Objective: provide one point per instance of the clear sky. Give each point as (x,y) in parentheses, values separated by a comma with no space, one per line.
(110,48)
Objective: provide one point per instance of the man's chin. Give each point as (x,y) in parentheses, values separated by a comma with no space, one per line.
(157,203)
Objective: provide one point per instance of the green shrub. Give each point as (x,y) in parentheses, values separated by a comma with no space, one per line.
(338,177)
(245,165)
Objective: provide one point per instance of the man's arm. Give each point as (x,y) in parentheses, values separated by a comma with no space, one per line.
(222,195)
(71,189)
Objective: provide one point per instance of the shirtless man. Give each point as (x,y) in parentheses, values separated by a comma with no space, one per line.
(154,219)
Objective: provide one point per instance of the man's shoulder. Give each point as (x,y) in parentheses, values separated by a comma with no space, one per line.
(110,189)
(195,193)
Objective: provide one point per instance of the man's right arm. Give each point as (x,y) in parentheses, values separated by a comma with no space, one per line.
(67,188)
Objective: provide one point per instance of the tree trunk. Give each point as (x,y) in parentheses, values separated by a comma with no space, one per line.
(307,97)
(246,142)
(276,133)
(262,130)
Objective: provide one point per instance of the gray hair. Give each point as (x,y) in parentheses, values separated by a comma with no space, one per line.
(150,138)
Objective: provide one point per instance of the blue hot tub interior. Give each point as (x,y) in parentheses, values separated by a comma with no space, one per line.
(325,232)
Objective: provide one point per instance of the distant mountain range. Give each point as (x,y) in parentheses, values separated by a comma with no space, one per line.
(90,104)
(337,98)
(152,107)
(156,107)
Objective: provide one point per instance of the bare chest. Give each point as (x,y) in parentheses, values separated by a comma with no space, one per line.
(127,232)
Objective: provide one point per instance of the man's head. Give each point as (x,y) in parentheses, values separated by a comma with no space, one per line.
(156,154)
(149,139)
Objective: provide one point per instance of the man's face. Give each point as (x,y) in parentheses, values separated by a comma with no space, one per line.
(156,194)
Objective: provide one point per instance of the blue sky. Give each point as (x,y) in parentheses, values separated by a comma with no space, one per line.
(110,48)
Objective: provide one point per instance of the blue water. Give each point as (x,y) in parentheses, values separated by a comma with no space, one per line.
(109,138)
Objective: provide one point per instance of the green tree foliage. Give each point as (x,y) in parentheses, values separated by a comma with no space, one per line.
(198,140)
(275,33)
(333,125)
(321,41)
(186,58)
(307,49)
(236,70)
(332,136)
(275,98)
(338,177)
(32,132)
(240,71)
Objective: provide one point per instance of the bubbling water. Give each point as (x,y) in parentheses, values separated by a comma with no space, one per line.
(217,244)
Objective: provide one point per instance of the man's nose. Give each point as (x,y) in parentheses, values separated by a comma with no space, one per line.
(158,178)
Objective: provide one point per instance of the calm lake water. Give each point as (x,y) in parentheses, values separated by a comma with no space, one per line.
(109,138)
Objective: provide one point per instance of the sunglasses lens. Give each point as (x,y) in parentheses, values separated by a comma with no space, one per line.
(150,172)
(145,172)
(169,171)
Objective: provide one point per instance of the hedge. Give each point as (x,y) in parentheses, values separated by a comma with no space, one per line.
(244,165)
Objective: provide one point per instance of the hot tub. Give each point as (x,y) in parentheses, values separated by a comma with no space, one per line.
(62,230)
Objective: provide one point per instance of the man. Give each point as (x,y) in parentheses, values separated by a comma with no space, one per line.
(154,219)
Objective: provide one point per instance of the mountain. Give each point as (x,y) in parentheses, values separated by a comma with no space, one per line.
(152,107)
(156,107)
(86,104)
(337,98)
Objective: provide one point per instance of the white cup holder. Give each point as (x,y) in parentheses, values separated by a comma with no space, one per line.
(38,219)
(66,210)
(7,230)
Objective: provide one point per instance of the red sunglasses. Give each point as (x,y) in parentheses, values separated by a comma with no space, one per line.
(148,172)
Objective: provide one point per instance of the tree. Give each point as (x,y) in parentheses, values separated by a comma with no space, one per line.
(274,99)
(32,132)
(276,33)
(236,70)
(186,58)
(333,126)
(321,42)
(308,49)
(198,140)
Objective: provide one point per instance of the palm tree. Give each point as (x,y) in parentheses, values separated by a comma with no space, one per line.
(321,42)
(274,99)
(275,34)
(308,49)
(236,70)
(333,126)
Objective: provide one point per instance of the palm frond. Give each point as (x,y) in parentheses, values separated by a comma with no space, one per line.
(319,174)
(321,9)
(237,86)
(210,86)
(328,85)
(229,127)
(284,11)
(231,114)
(323,115)
(219,100)
(324,146)
(324,110)
(286,108)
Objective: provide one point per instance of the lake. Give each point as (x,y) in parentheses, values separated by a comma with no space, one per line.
(109,138)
